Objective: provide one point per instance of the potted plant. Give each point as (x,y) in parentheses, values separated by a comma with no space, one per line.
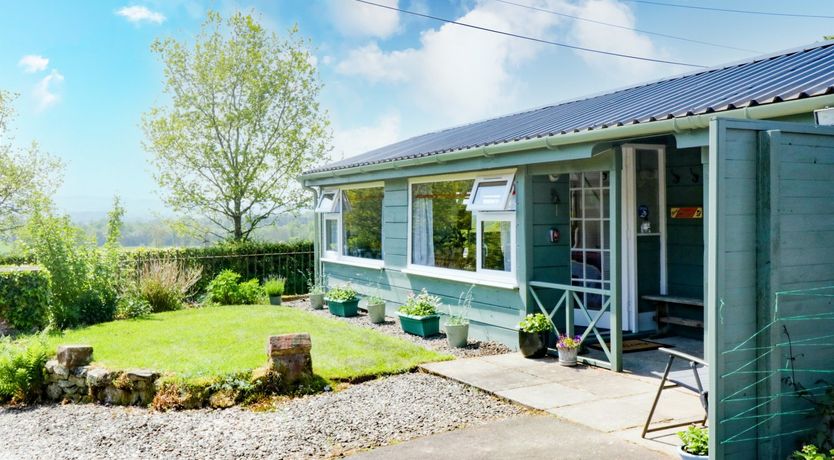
(274,288)
(533,332)
(342,301)
(457,326)
(568,348)
(812,452)
(695,443)
(419,314)
(316,290)
(376,309)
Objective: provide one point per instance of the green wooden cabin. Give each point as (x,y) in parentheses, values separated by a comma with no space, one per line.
(715,185)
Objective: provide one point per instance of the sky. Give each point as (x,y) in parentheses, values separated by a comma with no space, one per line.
(85,73)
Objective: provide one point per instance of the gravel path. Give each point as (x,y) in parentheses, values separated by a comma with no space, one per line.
(363,416)
(392,327)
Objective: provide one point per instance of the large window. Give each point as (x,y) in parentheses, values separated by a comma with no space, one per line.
(352,223)
(464,223)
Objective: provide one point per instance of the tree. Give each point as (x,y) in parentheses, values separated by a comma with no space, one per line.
(26,174)
(242,123)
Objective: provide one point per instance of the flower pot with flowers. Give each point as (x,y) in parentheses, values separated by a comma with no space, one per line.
(419,314)
(342,301)
(568,348)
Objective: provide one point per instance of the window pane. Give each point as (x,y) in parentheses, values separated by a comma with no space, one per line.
(592,179)
(331,235)
(442,230)
(591,205)
(490,195)
(495,245)
(362,223)
(326,202)
(593,234)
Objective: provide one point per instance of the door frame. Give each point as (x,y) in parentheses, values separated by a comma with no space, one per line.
(631,319)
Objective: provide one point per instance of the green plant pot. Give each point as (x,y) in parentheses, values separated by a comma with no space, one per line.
(317,301)
(343,309)
(376,312)
(424,326)
(275,300)
(457,335)
(533,344)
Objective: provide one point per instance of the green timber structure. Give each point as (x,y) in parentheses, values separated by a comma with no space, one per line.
(716,185)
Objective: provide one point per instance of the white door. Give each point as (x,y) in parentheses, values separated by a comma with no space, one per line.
(644,220)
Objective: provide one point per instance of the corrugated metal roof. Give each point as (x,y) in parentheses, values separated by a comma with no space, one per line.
(795,74)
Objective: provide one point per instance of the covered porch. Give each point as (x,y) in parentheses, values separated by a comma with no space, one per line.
(615,248)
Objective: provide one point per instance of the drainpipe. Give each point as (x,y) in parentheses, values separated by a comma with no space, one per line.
(758,112)
(316,232)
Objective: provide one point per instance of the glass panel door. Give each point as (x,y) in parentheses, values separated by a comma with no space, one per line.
(590,249)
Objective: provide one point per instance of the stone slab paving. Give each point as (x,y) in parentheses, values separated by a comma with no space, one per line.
(529,437)
(606,401)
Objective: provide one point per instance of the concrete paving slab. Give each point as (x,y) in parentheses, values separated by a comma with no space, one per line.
(607,384)
(460,367)
(494,382)
(516,360)
(546,396)
(665,441)
(528,437)
(610,415)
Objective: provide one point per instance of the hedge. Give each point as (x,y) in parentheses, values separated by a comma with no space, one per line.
(291,260)
(24,297)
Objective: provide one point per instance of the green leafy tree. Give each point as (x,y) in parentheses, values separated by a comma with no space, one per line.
(243,121)
(26,173)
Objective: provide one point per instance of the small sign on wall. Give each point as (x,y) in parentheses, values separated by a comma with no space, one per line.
(688,213)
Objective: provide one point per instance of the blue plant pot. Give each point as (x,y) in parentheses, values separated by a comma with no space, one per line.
(344,309)
(424,326)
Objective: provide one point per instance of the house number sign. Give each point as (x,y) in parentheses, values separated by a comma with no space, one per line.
(687,213)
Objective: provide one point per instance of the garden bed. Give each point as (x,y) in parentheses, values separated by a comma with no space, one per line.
(392,328)
(364,416)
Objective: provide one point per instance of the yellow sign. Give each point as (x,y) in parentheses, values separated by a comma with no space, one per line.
(688,213)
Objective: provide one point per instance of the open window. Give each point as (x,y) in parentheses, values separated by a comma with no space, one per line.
(492,193)
(329,201)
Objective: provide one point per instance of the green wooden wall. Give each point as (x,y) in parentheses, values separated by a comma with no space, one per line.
(771,225)
(685,237)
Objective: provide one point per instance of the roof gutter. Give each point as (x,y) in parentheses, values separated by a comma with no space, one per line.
(759,112)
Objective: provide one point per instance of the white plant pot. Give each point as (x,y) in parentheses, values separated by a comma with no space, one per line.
(687,456)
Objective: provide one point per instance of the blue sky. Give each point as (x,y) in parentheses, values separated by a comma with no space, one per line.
(85,73)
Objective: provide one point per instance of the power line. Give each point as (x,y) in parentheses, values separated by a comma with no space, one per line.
(729,10)
(532,39)
(619,26)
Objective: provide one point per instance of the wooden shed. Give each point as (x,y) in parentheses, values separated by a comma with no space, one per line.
(694,205)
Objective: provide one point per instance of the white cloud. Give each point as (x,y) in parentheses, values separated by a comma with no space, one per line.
(32,63)
(362,20)
(44,91)
(622,41)
(350,142)
(460,73)
(137,13)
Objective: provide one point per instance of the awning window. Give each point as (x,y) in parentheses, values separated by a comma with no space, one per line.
(329,201)
(492,193)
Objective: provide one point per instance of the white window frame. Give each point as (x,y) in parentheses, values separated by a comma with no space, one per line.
(508,191)
(504,216)
(338,255)
(335,207)
(494,278)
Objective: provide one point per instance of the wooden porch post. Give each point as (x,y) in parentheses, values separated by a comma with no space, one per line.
(616,262)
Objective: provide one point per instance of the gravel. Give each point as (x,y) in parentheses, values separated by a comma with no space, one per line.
(391,326)
(363,416)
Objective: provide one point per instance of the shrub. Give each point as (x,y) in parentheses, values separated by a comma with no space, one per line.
(24,297)
(132,306)
(535,323)
(164,285)
(344,293)
(422,304)
(22,372)
(226,290)
(274,286)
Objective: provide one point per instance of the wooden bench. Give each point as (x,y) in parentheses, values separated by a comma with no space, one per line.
(662,316)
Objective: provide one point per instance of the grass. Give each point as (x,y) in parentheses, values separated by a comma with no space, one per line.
(216,341)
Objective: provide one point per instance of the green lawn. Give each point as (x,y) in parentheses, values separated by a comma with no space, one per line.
(222,340)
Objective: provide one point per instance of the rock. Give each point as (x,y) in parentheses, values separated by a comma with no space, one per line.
(65,384)
(115,396)
(77,381)
(72,356)
(260,375)
(99,377)
(56,368)
(54,392)
(290,356)
(141,374)
(81,371)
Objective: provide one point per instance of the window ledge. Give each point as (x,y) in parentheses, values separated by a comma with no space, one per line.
(474,278)
(356,262)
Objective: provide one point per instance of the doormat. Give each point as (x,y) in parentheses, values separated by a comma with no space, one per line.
(632,345)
